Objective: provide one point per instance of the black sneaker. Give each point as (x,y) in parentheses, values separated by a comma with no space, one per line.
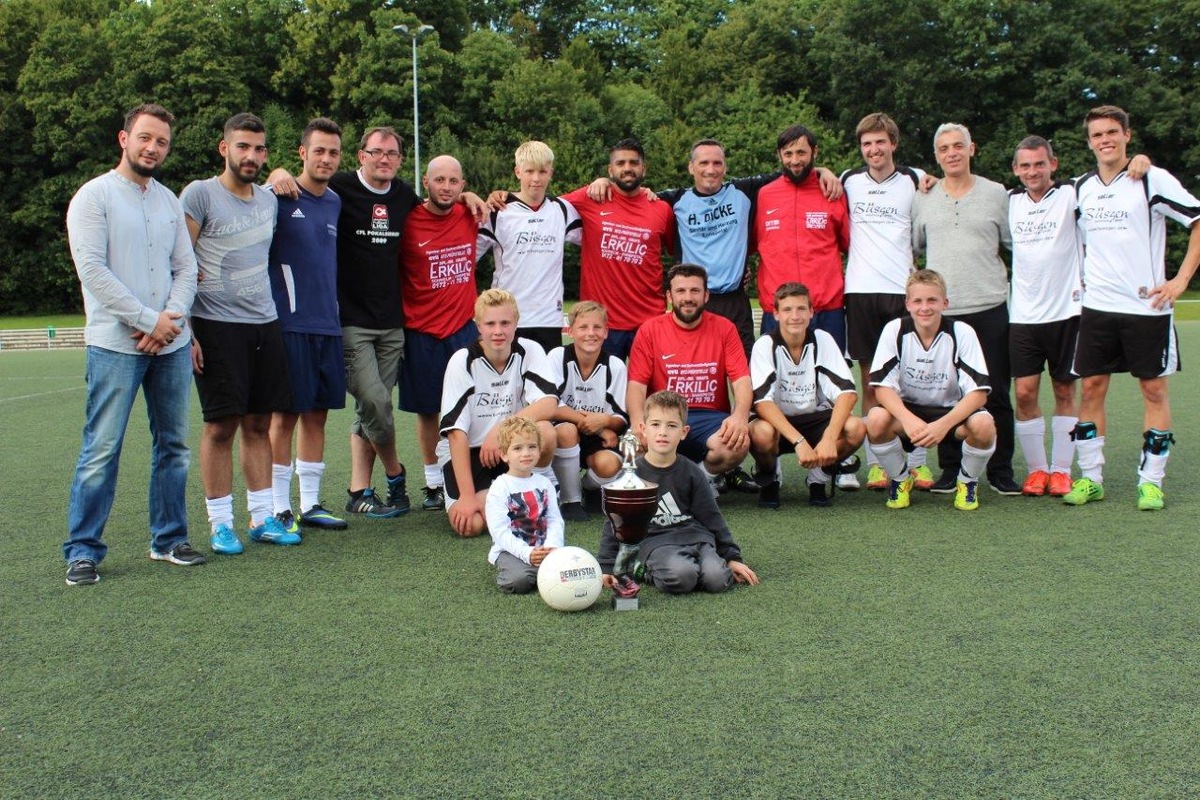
(819,495)
(947,484)
(738,480)
(1004,485)
(367,504)
(592,501)
(182,554)
(768,497)
(435,499)
(574,512)
(82,573)
(398,493)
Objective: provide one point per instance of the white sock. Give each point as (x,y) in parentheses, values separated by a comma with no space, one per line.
(1062,446)
(917,458)
(547,472)
(1031,433)
(1091,458)
(712,477)
(974,462)
(433,476)
(891,458)
(220,511)
(566,467)
(1153,468)
(259,504)
(817,475)
(281,487)
(593,481)
(310,473)
(872,459)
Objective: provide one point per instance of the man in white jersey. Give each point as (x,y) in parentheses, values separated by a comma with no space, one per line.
(526,239)
(804,394)
(932,382)
(590,383)
(880,196)
(238,353)
(1127,319)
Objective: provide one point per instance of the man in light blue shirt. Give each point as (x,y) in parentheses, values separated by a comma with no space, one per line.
(135,262)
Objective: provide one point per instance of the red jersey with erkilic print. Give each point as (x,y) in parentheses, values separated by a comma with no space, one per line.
(623,240)
(801,237)
(437,270)
(694,362)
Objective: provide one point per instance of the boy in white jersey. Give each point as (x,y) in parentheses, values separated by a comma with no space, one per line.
(526,239)
(931,381)
(522,510)
(880,196)
(1126,324)
(804,394)
(497,377)
(590,384)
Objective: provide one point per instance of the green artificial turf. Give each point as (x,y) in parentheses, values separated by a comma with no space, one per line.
(1025,650)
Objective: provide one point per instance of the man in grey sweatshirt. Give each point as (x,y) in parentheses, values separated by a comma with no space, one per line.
(961,225)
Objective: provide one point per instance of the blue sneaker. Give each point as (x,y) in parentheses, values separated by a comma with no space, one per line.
(225,541)
(272,532)
(397,496)
(288,520)
(319,517)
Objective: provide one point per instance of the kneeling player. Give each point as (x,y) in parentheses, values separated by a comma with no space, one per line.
(804,394)
(930,380)
(590,383)
(499,376)
(689,546)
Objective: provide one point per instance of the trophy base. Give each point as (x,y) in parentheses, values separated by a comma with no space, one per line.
(625,603)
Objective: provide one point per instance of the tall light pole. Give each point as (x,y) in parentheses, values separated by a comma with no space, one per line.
(415,34)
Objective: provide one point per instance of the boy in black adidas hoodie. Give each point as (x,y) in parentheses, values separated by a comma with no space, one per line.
(689,546)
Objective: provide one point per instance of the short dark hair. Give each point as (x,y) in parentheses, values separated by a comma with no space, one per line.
(792,289)
(386,130)
(628,143)
(1115,113)
(668,401)
(1033,143)
(794,132)
(322,124)
(149,109)
(687,271)
(704,143)
(244,121)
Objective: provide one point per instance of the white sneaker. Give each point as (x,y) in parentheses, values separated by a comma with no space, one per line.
(848,482)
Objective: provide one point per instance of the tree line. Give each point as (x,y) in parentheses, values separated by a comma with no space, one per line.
(578,75)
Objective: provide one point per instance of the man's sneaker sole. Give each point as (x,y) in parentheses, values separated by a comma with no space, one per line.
(180,556)
(1084,491)
(318,517)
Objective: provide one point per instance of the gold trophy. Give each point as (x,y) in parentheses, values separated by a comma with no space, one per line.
(630,503)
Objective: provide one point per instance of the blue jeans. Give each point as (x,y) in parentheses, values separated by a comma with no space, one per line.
(113,380)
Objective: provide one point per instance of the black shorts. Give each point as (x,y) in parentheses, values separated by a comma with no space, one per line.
(590,444)
(811,426)
(317,367)
(245,369)
(1144,346)
(931,414)
(735,307)
(481,475)
(1031,347)
(548,338)
(866,314)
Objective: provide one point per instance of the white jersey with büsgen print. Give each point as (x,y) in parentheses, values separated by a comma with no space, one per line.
(1046,256)
(813,383)
(880,256)
(939,376)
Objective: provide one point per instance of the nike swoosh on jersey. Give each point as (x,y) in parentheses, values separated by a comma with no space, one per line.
(606,213)
(666,356)
(422,244)
(771,211)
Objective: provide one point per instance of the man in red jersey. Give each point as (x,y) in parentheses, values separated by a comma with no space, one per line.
(623,240)
(699,356)
(437,286)
(801,236)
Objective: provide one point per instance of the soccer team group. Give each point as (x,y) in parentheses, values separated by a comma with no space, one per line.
(281,298)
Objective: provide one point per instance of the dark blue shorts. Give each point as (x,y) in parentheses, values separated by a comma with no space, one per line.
(702,423)
(425,360)
(619,343)
(318,371)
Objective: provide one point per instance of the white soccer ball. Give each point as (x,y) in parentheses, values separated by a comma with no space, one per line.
(569,579)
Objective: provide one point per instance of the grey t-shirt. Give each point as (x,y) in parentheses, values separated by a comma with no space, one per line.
(962,239)
(232,249)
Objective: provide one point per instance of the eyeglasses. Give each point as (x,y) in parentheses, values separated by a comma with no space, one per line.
(378,153)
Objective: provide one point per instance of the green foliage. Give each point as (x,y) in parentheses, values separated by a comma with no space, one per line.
(578,75)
